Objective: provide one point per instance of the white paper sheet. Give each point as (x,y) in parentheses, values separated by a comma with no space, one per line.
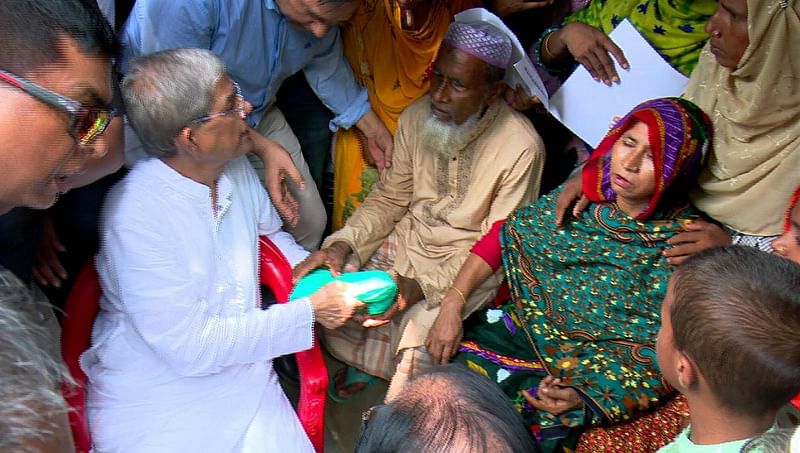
(523,72)
(587,107)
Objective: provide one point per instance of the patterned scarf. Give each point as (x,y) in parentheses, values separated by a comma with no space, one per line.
(587,297)
(679,134)
(753,167)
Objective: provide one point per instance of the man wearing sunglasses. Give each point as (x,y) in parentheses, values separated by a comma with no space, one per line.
(55,95)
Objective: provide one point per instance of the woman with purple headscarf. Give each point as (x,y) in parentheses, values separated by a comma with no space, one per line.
(574,345)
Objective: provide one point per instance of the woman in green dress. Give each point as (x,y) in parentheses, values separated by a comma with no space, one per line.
(573,347)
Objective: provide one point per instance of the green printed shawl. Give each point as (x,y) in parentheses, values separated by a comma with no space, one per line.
(673,27)
(589,299)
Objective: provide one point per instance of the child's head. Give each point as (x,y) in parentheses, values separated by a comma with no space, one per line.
(730,329)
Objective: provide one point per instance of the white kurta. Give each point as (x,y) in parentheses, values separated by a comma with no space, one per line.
(182,355)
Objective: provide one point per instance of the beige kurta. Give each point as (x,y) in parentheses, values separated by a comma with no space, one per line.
(438,208)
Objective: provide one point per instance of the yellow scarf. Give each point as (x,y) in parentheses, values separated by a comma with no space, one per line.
(755,108)
(394,65)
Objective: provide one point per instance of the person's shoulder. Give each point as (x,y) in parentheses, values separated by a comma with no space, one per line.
(542,206)
(514,132)
(141,189)
(145,12)
(510,120)
(243,176)
(415,112)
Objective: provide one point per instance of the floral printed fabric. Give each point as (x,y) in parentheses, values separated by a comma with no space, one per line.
(673,27)
(585,308)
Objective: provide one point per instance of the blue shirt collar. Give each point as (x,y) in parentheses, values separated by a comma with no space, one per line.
(270,4)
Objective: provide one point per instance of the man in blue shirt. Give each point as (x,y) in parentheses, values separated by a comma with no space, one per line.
(262,42)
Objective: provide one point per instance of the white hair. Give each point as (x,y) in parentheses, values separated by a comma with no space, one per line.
(164,91)
(447,139)
(30,375)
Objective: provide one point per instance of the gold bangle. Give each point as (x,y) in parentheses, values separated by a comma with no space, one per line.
(460,294)
(547,44)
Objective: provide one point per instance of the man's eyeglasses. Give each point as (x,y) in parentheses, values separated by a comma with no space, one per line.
(238,108)
(86,123)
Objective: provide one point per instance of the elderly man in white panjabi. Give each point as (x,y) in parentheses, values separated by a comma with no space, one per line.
(182,353)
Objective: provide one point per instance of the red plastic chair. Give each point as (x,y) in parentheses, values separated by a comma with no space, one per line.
(82,307)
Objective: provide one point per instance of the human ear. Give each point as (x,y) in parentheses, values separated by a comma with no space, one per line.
(185,140)
(687,371)
(495,90)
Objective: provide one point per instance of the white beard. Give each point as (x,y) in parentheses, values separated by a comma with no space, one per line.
(446,139)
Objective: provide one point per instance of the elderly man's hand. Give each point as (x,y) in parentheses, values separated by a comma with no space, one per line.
(572,193)
(446,332)
(333,257)
(278,169)
(380,143)
(552,397)
(408,293)
(333,306)
(697,236)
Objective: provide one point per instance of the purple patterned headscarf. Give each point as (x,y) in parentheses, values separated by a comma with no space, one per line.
(680,134)
(482,41)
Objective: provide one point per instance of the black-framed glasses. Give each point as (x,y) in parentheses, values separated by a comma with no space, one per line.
(86,122)
(238,108)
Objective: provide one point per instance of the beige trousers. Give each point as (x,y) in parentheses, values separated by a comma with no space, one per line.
(313,218)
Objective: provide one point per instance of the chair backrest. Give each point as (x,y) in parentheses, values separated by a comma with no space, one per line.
(82,307)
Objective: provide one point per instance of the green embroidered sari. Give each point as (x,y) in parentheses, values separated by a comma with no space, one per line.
(585,308)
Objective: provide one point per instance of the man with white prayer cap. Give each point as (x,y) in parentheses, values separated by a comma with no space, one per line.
(463,159)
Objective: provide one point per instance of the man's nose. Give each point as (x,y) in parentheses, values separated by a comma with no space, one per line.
(440,93)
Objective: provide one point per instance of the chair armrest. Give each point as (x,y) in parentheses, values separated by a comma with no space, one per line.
(276,272)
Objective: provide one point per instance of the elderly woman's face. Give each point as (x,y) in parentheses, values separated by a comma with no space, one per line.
(728,30)
(788,244)
(632,169)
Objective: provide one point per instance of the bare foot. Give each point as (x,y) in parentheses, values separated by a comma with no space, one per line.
(344,391)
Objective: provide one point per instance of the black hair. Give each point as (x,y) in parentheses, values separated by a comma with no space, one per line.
(31,31)
(447,409)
